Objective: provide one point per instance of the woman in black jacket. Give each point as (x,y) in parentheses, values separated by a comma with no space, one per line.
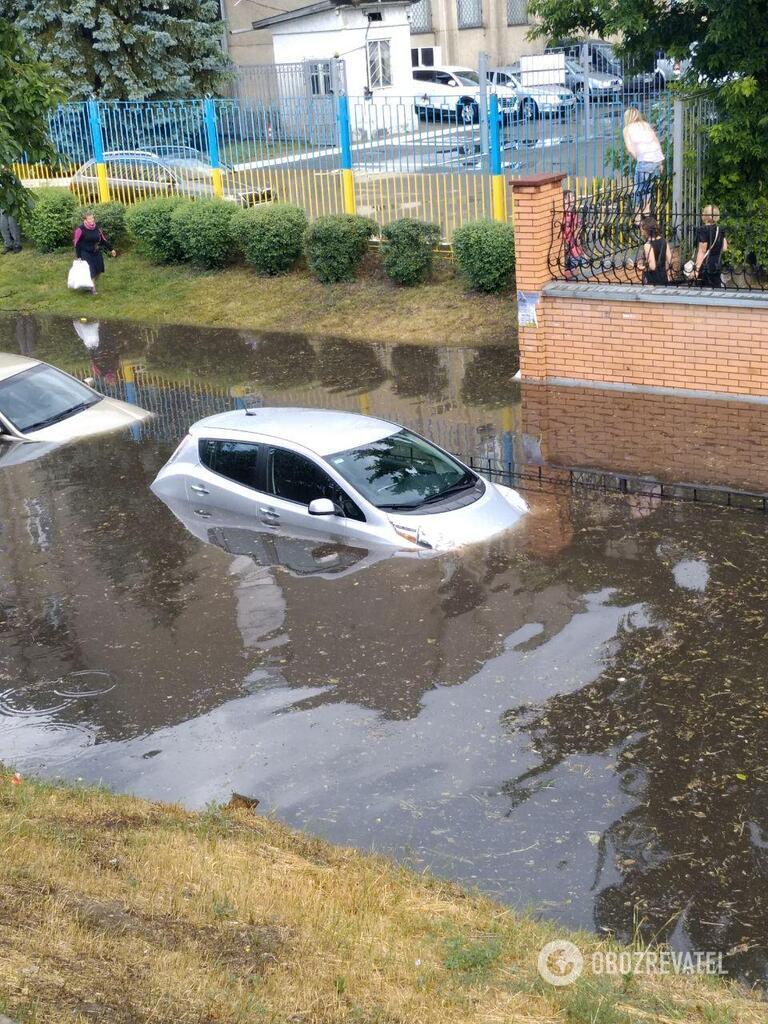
(90,244)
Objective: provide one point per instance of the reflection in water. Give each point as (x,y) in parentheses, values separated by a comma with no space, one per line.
(573,717)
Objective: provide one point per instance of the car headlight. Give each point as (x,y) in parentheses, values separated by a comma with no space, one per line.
(422,537)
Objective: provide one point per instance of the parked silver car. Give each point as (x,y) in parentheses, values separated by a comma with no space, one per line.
(362,480)
(534,100)
(601,84)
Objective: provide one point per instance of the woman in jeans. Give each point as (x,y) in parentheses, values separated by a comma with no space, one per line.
(642,144)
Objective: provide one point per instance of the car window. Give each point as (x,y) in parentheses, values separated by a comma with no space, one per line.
(424,76)
(402,471)
(236,460)
(296,478)
(467,77)
(443,78)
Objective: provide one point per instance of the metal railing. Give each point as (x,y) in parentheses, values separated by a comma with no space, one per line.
(600,237)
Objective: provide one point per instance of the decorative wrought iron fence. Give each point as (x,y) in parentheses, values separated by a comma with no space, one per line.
(600,237)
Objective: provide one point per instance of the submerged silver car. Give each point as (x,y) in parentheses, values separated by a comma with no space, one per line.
(39,402)
(339,474)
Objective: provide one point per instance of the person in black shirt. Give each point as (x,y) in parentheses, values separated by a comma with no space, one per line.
(657,256)
(711,243)
(90,243)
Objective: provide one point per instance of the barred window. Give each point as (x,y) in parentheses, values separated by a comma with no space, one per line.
(469,13)
(379,64)
(421,17)
(517,12)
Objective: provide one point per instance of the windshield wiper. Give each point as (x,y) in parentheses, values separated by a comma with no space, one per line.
(460,485)
(42,424)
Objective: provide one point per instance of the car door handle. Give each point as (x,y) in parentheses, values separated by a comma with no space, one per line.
(198,489)
(269,513)
(202,513)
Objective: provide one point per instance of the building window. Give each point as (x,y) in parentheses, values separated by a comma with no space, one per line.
(379,64)
(320,78)
(421,17)
(469,13)
(517,12)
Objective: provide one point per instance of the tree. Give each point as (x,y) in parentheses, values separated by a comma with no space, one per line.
(27,93)
(727,43)
(126,49)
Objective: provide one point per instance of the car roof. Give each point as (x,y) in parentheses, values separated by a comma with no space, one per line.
(12,363)
(322,431)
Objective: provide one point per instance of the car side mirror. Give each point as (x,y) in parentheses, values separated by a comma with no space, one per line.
(322,507)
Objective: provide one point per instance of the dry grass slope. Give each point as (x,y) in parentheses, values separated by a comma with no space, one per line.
(119,911)
(373,309)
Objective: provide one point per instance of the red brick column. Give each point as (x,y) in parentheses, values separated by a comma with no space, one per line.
(534,199)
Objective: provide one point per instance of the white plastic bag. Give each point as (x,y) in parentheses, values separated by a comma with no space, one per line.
(79,275)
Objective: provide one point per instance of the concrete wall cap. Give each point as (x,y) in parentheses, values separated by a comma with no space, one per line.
(680,295)
(536,180)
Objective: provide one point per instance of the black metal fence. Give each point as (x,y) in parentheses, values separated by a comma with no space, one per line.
(601,238)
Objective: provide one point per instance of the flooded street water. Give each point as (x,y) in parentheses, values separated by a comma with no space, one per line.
(573,717)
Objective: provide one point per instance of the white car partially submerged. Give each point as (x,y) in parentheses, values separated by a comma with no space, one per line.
(38,402)
(344,476)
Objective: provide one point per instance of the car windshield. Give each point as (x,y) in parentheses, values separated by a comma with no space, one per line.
(401,471)
(41,396)
(467,77)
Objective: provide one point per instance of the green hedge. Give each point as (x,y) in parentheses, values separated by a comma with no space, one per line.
(406,250)
(110,217)
(485,254)
(201,229)
(50,221)
(149,226)
(270,237)
(335,246)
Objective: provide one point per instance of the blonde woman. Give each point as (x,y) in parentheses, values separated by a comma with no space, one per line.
(642,144)
(711,243)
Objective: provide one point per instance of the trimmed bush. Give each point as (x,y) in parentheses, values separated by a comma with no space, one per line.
(110,217)
(335,246)
(202,232)
(485,254)
(50,219)
(406,250)
(149,225)
(270,238)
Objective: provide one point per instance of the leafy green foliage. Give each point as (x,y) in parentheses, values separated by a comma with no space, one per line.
(270,238)
(201,229)
(125,49)
(406,250)
(110,217)
(485,254)
(471,956)
(335,246)
(27,93)
(725,42)
(50,221)
(149,225)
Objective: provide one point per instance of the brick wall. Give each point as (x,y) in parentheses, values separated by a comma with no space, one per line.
(681,338)
(668,437)
(653,344)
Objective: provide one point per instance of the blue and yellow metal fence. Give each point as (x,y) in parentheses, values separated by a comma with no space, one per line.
(385,157)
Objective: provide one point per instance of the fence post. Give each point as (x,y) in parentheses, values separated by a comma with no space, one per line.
(209,113)
(97,141)
(498,185)
(345,141)
(677,160)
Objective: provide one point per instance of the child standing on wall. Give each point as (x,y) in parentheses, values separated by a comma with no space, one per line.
(657,255)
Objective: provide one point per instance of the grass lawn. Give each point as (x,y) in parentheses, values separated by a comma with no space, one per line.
(119,911)
(372,308)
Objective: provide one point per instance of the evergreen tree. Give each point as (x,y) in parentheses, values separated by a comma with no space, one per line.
(27,93)
(125,49)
